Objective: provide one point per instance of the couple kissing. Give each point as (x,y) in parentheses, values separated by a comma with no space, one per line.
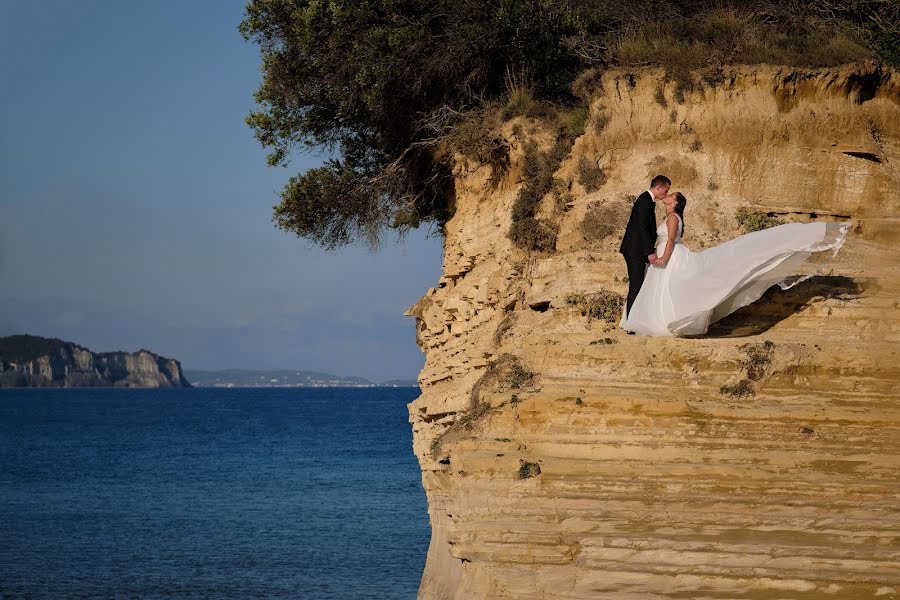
(673,291)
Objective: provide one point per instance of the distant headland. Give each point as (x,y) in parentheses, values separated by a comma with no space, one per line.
(34,361)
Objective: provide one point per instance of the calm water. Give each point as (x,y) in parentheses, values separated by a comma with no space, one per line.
(210,493)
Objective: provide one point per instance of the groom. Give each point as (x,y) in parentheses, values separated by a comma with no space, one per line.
(639,242)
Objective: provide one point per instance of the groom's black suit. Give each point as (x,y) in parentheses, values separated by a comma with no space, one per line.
(638,243)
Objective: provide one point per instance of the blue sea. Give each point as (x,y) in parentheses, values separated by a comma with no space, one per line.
(309,493)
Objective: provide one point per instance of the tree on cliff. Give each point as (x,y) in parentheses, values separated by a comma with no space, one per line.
(381,84)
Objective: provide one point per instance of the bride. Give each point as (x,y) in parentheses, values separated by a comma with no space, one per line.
(685,291)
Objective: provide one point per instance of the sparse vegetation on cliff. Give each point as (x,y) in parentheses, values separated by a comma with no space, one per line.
(528,231)
(477,135)
(803,34)
(590,175)
(755,365)
(604,305)
(602,219)
(384,88)
(505,372)
(528,469)
(754,220)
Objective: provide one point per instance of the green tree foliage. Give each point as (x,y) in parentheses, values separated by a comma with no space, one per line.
(379,85)
(362,77)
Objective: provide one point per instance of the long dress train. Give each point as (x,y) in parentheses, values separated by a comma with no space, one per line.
(695,289)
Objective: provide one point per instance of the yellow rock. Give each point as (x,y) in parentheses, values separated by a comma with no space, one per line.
(654,482)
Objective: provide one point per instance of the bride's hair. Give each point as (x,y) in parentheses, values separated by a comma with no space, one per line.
(680,203)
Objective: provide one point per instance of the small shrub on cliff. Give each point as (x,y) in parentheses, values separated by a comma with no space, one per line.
(538,235)
(601,220)
(590,175)
(587,83)
(520,101)
(600,122)
(742,388)
(527,231)
(517,376)
(475,134)
(576,119)
(758,358)
(754,220)
(535,182)
(528,469)
(562,196)
(605,305)
(504,372)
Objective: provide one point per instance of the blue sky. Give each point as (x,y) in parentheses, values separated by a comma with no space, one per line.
(136,205)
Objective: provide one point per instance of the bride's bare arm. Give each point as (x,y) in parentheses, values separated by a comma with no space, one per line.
(672,226)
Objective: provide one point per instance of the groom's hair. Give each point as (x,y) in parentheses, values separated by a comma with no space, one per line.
(660,180)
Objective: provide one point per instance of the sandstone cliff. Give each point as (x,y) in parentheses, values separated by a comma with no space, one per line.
(563,459)
(31,361)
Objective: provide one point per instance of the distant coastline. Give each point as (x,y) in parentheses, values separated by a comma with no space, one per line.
(288,378)
(28,361)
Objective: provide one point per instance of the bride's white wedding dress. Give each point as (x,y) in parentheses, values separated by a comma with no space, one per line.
(695,289)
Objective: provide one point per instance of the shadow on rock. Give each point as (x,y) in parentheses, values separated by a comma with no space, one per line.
(776,304)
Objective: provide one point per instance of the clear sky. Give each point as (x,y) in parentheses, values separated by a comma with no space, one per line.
(136,205)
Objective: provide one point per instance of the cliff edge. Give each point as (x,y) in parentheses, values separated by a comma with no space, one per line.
(32,361)
(563,459)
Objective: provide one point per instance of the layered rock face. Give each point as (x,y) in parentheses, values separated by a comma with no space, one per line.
(564,459)
(65,364)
